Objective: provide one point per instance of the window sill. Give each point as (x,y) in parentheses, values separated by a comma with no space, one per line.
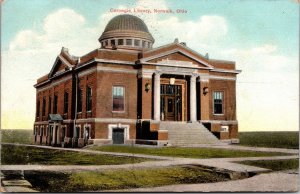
(118,111)
(218,114)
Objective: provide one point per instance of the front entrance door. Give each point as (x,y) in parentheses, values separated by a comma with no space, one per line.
(171,102)
(118,136)
(170,108)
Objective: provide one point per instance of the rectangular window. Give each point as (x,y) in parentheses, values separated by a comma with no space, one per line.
(144,44)
(118,98)
(44,107)
(120,42)
(113,42)
(218,102)
(55,104)
(79,100)
(66,102)
(38,108)
(136,42)
(49,106)
(88,99)
(129,42)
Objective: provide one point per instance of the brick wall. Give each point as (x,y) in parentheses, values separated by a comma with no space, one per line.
(106,81)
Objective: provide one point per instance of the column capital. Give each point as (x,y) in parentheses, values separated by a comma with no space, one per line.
(158,73)
(193,77)
(145,73)
(204,78)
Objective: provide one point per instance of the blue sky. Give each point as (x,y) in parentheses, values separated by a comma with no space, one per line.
(261,36)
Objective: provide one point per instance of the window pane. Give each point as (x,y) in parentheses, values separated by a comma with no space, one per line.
(113,42)
(55,104)
(136,42)
(66,102)
(218,102)
(49,106)
(128,41)
(89,99)
(44,107)
(118,98)
(79,101)
(120,42)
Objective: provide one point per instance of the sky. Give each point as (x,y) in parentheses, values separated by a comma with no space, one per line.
(261,36)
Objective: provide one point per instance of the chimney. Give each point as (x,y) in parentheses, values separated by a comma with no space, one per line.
(207,56)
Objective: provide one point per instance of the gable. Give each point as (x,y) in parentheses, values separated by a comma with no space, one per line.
(176,53)
(177,56)
(60,65)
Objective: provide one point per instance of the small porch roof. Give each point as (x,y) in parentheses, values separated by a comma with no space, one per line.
(55,118)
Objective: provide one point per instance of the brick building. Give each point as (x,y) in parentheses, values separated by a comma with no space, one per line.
(126,91)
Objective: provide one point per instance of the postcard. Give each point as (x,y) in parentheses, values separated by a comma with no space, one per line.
(149,96)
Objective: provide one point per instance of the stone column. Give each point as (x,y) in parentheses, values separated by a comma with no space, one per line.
(193,104)
(156,96)
(54,134)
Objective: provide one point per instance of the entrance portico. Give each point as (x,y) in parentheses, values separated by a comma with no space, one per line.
(171,99)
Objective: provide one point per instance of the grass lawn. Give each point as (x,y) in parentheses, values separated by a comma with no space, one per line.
(185,152)
(30,155)
(275,165)
(22,136)
(121,179)
(289,139)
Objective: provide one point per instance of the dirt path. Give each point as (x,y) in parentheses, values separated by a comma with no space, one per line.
(277,181)
(270,182)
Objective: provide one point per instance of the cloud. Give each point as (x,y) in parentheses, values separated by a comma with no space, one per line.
(261,58)
(64,27)
(63,22)
(207,29)
(31,54)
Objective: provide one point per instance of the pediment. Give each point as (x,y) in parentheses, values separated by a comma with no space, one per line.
(176,56)
(60,65)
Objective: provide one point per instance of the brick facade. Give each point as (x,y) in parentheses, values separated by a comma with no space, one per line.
(134,72)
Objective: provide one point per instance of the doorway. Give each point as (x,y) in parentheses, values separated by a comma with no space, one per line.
(118,136)
(171,102)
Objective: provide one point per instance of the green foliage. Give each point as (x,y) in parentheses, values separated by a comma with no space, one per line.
(185,152)
(11,154)
(276,165)
(287,139)
(22,136)
(124,179)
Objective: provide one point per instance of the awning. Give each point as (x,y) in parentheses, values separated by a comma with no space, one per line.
(55,118)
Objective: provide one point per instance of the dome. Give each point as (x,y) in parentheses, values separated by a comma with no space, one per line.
(126,31)
(126,22)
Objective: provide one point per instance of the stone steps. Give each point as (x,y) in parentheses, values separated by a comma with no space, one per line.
(188,134)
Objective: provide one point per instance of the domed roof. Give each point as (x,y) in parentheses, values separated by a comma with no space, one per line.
(126,26)
(126,22)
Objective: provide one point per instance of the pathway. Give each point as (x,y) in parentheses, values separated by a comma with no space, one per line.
(270,182)
(264,182)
